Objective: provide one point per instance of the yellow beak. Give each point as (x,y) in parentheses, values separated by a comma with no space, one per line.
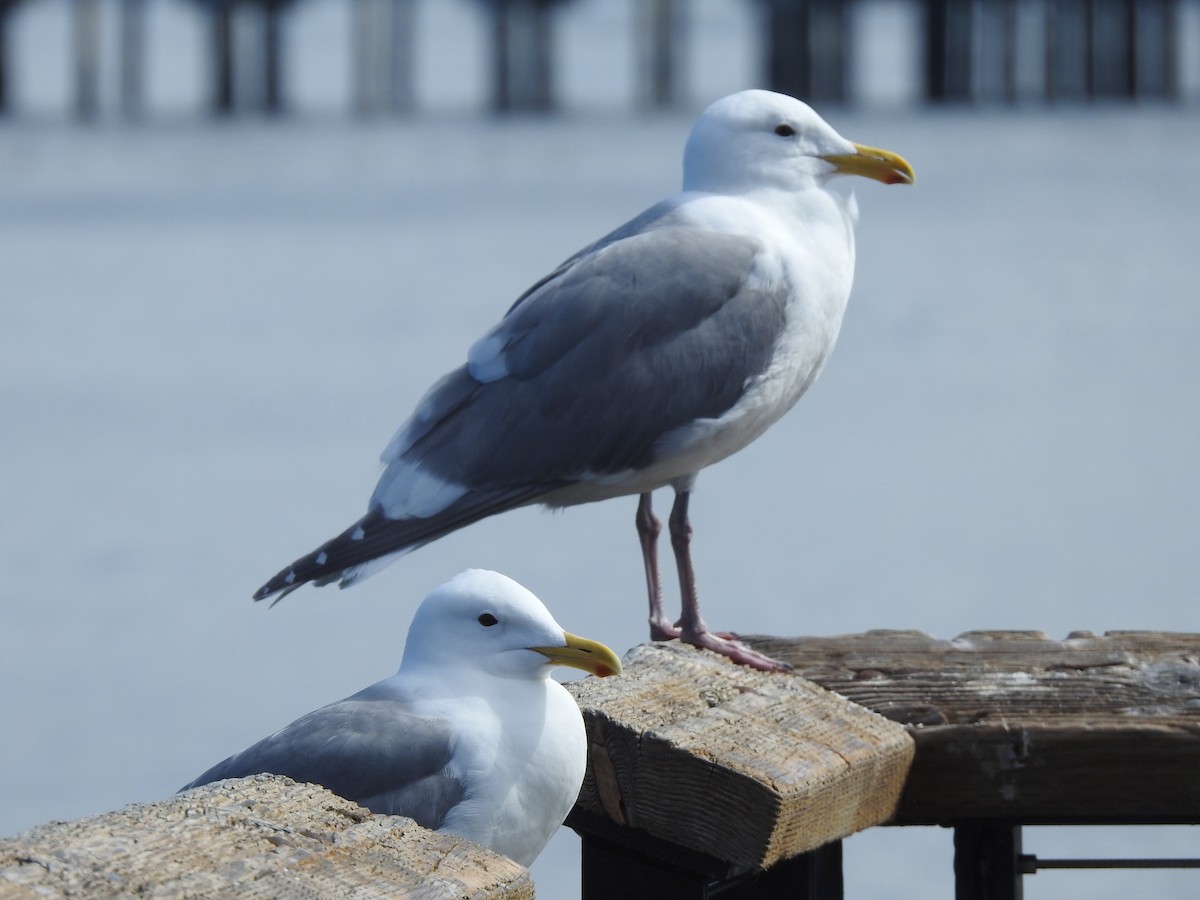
(580,653)
(871,162)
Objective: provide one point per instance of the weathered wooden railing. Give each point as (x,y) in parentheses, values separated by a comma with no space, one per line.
(710,779)
(257,837)
(1010,729)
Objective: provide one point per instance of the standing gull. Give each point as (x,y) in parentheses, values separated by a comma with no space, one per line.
(471,736)
(662,348)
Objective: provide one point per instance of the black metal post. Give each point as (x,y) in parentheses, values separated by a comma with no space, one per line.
(987,862)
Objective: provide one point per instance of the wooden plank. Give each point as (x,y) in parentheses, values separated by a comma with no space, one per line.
(741,766)
(1019,727)
(264,836)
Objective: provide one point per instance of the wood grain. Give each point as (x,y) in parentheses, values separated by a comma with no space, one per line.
(741,766)
(257,837)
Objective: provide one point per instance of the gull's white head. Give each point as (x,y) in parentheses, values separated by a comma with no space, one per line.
(485,621)
(760,139)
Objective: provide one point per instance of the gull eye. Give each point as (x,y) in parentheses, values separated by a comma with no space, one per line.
(785,130)
(487,620)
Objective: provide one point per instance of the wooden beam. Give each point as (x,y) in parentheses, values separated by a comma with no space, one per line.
(1014,726)
(743,767)
(263,836)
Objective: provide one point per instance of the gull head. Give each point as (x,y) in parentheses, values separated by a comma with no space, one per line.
(760,139)
(483,621)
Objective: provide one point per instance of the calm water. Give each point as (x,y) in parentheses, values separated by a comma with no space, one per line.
(207,334)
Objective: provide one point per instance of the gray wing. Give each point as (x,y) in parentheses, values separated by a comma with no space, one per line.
(588,371)
(366,748)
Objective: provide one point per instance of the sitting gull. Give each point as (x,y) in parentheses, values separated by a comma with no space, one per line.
(471,736)
(660,349)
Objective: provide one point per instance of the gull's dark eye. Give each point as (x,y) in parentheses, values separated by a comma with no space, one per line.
(785,130)
(487,620)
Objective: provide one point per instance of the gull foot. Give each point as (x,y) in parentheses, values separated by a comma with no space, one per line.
(662,630)
(726,645)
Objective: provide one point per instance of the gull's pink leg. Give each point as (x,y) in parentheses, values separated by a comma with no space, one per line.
(691,627)
(648,529)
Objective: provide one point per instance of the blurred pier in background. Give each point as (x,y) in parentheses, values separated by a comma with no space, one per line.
(968,51)
(1006,50)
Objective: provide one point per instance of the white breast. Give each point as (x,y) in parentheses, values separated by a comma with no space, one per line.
(810,247)
(523,773)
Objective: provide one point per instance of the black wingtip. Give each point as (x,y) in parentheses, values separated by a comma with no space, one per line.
(375,536)
(280,585)
(322,566)
(283,583)
(327,563)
